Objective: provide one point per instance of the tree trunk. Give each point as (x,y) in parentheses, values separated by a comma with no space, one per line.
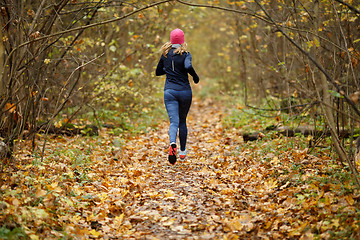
(330,119)
(2,67)
(108,38)
(326,100)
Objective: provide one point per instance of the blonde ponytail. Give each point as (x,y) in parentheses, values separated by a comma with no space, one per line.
(182,49)
(167,46)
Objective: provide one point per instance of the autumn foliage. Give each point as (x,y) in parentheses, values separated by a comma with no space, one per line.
(123,187)
(83,130)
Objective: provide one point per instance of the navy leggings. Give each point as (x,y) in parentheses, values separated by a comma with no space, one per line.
(177,105)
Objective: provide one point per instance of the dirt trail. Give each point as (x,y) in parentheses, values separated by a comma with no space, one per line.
(121,187)
(187,200)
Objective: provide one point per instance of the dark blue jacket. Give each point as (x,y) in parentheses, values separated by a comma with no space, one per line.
(176,67)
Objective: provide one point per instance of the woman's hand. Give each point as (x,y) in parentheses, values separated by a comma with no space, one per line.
(196,79)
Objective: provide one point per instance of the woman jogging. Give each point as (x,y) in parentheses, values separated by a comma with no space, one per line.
(175,62)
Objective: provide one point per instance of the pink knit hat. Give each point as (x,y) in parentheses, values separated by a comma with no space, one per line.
(177,36)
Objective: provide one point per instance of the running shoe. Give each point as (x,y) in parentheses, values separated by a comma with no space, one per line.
(182,154)
(172,153)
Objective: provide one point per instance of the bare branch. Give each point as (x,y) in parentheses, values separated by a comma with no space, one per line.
(260,18)
(339,148)
(36,17)
(48,122)
(82,28)
(308,55)
(352,8)
(224,9)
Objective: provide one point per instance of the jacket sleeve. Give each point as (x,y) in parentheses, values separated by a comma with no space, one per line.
(160,67)
(189,68)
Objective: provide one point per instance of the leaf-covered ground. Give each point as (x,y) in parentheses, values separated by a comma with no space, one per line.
(119,187)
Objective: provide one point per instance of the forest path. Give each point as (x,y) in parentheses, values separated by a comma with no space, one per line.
(115,186)
(195,198)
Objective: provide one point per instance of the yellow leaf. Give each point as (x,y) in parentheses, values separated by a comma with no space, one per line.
(58,189)
(34,237)
(271,183)
(316,42)
(126,193)
(169,193)
(235,224)
(40,193)
(103,196)
(39,213)
(239,107)
(169,222)
(267,225)
(335,222)
(90,218)
(153,194)
(120,218)
(350,200)
(54,187)
(58,124)
(75,219)
(327,201)
(275,160)
(94,233)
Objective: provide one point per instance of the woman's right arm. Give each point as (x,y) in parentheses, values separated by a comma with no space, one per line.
(189,68)
(160,67)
